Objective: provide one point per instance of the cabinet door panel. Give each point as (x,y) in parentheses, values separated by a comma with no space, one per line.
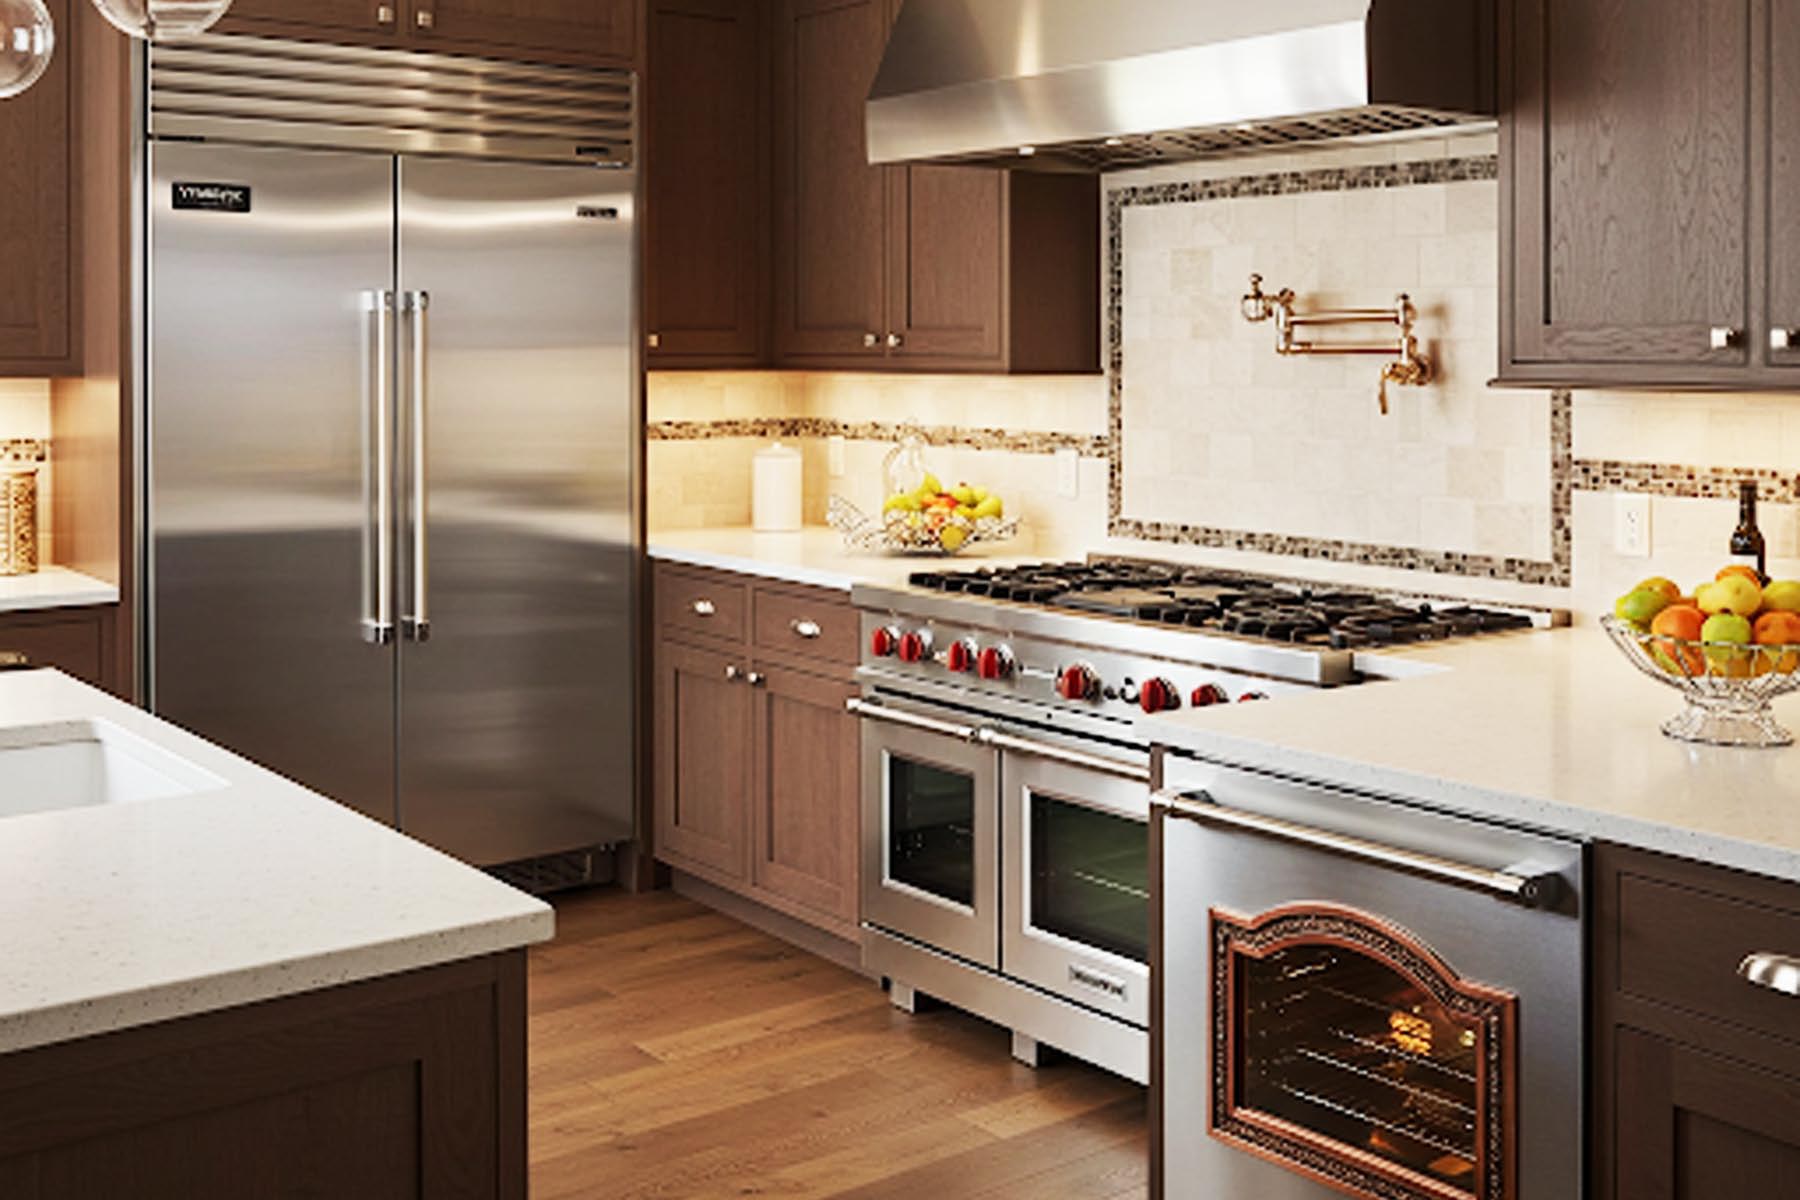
(946,263)
(1784,178)
(37,250)
(706,213)
(599,31)
(806,792)
(1631,127)
(702,759)
(830,203)
(1694,1126)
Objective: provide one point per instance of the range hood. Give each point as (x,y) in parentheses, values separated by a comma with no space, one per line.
(1104,84)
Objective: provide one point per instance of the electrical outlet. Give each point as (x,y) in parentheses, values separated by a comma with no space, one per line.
(1068,474)
(834,456)
(1631,525)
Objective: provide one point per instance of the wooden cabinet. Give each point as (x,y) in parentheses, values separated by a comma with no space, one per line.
(598,32)
(755,767)
(1696,1076)
(76,641)
(39,241)
(706,184)
(920,267)
(1644,164)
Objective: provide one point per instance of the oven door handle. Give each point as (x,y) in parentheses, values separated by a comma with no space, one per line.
(1531,891)
(897,716)
(1068,758)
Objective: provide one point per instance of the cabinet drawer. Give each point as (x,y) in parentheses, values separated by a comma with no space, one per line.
(813,623)
(1681,945)
(72,641)
(700,602)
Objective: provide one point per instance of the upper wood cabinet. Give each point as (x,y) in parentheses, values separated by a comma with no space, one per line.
(1642,170)
(598,32)
(39,240)
(706,167)
(1783,146)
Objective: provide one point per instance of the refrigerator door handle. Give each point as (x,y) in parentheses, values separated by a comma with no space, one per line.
(417,622)
(378,468)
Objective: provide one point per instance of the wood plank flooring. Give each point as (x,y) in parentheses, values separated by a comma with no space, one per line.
(677,1054)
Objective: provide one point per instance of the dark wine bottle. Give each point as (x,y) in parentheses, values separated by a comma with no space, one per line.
(1747,540)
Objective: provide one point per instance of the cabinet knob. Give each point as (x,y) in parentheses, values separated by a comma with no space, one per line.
(1726,338)
(733,673)
(384,14)
(425,19)
(756,678)
(871,340)
(1784,339)
(805,629)
(895,341)
(1777,972)
(704,608)
(655,341)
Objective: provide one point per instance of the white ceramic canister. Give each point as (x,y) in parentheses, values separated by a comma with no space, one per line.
(776,489)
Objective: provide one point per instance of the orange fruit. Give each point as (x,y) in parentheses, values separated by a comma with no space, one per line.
(1744,569)
(1777,629)
(1680,623)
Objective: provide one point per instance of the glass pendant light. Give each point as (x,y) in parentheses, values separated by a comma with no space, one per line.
(27,39)
(162,20)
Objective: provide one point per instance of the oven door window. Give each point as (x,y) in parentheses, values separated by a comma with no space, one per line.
(931,830)
(1090,877)
(1352,1053)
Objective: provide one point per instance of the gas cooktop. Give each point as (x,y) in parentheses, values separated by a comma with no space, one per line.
(1227,603)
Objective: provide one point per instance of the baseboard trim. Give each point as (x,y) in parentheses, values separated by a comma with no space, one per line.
(842,951)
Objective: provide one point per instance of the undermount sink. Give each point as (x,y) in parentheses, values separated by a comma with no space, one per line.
(78,764)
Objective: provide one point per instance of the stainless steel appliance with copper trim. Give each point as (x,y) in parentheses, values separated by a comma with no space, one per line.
(1358,996)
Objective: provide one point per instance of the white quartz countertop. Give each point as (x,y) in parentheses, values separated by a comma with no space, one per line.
(53,587)
(815,555)
(250,888)
(1553,730)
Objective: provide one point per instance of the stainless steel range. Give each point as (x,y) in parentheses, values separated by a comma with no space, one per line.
(1006,797)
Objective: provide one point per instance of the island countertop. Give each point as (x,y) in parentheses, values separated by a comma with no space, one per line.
(119,915)
(1552,730)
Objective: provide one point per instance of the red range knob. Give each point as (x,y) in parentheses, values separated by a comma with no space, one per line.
(1247,697)
(960,656)
(915,646)
(1077,682)
(884,641)
(1158,695)
(996,662)
(1208,694)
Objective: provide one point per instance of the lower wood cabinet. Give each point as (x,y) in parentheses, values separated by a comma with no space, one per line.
(76,641)
(1696,1077)
(756,762)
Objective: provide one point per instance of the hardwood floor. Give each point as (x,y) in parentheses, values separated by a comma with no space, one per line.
(677,1053)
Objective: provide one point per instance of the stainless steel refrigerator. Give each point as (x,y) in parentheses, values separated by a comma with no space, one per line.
(392,433)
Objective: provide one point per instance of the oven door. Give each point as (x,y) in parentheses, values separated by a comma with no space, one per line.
(1077,877)
(931,848)
(1353,1002)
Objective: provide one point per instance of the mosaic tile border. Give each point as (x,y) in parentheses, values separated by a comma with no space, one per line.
(1014,442)
(24,451)
(1684,482)
(1557,572)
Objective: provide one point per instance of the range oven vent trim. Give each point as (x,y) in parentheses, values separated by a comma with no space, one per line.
(278,92)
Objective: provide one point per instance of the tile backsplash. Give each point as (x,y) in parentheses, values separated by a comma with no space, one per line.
(1214,434)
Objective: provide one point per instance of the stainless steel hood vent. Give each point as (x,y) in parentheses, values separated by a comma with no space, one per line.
(1092,85)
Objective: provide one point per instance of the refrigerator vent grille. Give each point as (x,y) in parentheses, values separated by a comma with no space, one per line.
(559,872)
(261,90)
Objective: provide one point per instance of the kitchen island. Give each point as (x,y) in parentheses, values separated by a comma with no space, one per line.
(214,982)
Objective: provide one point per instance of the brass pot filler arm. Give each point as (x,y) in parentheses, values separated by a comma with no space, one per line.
(1409,368)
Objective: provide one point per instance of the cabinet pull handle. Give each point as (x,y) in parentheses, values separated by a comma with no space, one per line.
(895,341)
(1724,337)
(756,679)
(425,18)
(704,608)
(384,14)
(806,629)
(1777,972)
(871,340)
(1784,339)
(655,341)
(733,673)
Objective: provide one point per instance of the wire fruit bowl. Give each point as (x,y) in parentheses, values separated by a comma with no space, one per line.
(913,533)
(1727,685)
